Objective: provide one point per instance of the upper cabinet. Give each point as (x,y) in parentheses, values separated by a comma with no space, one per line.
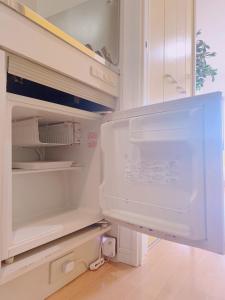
(171,49)
(94,23)
(43,53)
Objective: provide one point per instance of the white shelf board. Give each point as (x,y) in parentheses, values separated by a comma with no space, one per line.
(40,145)
(50,228)
(23,172)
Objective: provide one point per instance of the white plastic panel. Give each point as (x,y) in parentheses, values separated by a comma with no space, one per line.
(160,170)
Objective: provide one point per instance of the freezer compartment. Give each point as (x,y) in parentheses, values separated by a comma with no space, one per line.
(66,92)
(54,190)
(35,132)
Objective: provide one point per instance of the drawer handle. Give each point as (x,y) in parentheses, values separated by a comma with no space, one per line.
(68,267)
(170,78)
(181,90)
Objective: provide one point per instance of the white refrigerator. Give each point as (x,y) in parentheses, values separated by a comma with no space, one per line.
(156,169)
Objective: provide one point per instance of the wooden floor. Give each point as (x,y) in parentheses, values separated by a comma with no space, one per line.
(170,272)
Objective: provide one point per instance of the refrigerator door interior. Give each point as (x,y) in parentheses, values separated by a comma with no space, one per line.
(163,170)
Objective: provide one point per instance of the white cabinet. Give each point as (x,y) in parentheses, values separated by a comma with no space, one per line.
(179,23)
(77,73)
(184,48)
(170,54)
(156,50)
(171,49)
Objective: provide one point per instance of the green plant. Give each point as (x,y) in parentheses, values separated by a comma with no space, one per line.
(203,69)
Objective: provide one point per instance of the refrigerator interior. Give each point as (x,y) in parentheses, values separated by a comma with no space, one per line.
(50,203)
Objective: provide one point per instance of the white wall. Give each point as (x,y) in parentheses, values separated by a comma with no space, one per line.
(210,18)
(47,8)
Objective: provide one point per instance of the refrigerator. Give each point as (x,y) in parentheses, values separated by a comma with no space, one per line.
(156,169)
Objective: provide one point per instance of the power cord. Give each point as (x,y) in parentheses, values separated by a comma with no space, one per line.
(99,262)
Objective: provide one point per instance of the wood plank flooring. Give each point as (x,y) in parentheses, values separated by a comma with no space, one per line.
(170,272)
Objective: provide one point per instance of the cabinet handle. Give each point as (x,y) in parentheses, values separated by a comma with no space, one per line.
(170,78)
(180,90)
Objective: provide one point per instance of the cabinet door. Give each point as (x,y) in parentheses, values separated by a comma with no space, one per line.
(171,24)
(178,49)
(156,53)
(181,48)
(190,48)
(170,73)
(163,171)
(184,62)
